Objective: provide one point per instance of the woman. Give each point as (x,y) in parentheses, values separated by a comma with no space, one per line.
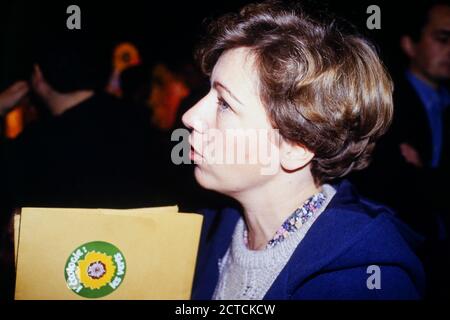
(301,233)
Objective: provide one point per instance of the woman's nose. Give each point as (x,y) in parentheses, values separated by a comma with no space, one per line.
(193,119)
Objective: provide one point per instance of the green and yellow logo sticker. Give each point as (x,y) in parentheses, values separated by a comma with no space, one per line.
(95,269)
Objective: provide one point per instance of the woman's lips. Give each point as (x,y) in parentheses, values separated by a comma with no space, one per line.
(195,156)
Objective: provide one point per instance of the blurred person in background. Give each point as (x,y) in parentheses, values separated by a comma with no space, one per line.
(168,91)
(94,150)
(135,84)
(411,165)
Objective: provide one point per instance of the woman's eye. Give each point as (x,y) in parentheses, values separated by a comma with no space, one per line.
(223,105)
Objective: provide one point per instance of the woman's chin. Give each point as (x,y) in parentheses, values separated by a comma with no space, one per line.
(202,178)
(208,180)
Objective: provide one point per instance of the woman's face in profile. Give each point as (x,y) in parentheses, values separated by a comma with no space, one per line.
(233,142)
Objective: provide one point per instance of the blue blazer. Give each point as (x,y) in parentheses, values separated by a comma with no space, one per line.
(332,261)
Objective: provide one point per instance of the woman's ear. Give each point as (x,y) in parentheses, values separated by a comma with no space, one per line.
(294,156)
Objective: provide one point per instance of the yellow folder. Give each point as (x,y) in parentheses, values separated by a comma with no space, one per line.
(74,254)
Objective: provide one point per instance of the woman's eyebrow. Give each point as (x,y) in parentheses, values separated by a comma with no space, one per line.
(217,84)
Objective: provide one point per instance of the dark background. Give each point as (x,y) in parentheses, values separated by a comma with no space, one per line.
(163,30)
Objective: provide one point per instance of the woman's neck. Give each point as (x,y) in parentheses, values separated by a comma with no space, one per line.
(267,208)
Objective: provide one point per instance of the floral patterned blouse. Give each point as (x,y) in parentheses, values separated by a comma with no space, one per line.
(295,220)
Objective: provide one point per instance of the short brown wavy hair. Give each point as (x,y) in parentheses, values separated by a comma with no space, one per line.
(323,88)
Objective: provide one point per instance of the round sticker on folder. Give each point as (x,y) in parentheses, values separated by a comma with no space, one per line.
(95,269)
